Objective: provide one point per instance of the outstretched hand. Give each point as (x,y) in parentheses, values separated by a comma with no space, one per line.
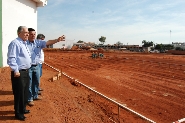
(61,38)
(50,42)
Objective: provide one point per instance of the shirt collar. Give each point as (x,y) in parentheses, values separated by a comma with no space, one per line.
(31,42)
(20,40)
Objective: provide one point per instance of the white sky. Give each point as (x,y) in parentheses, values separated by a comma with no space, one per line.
(127,21)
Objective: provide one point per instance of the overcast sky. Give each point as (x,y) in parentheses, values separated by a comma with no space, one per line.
(127,21)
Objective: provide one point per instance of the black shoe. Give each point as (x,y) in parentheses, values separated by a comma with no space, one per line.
(20,117)
(26,111)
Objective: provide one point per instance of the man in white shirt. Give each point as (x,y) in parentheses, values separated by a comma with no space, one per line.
(41,37)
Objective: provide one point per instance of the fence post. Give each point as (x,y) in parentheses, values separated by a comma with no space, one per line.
(118,113)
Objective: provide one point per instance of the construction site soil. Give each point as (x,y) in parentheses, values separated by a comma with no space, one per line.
(136,88)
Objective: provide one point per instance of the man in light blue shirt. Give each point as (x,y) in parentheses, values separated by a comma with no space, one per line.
(19,61)
(35,47)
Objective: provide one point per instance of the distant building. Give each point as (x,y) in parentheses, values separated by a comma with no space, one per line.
(64,44)
(84,44)
(79,44)
(128,47)
(178,44)
(15,13)
(147,49)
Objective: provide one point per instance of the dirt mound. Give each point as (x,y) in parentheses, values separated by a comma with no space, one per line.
(74,48)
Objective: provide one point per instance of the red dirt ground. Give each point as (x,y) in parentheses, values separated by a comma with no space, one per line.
(150,84)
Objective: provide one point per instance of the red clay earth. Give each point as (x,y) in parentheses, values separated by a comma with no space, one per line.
(150,84)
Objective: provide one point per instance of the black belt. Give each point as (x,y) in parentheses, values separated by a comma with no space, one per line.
(34,65)
(23,69)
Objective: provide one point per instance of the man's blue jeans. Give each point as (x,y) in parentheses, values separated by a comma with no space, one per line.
(40,67)
(34,74)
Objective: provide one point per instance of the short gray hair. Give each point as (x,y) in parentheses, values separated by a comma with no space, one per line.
(40,36)
(20,28)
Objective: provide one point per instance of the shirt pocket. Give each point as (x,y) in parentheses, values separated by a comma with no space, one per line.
(37,50)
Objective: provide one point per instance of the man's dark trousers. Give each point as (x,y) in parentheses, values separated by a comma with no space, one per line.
(20,86)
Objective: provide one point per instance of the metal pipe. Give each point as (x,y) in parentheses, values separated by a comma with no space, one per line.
(180,121)
(118,112)
(120,105)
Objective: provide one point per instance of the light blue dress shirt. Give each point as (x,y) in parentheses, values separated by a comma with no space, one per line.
(35,50)
(18,56)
